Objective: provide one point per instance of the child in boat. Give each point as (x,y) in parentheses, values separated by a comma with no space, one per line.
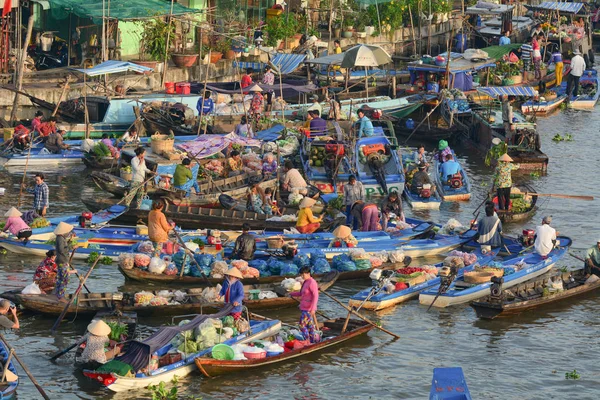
(16,225)
(269,201)
(45,274)
(343,237)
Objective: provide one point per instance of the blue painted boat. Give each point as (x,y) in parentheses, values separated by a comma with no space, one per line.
(393,176)
(382,299)
(449,384)
(460,292)
(539,107)
(448,192)
(39,248)
(589,85)
(413,199)
(43,158)
(8,390)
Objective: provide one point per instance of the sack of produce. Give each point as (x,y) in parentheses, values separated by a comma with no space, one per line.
(358,254)
(322,266)
(250,272)
(171,269)
(239,264)
(143,298)
(451,226)
(32,288)
(346,266)
(336,260)
(396,256)
(178,259)
(289,269)
(260,265)
(363,264)
(315,256)
(302,260)
(145,246)
(275,266)
(218,269)
(383,256)
(141,260)
(157,265)
(454,261)
(126,261)
(376,262)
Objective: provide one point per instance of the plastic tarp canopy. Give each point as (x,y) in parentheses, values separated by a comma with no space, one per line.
(119,9)
(333,59)
(497,91)
(484,8)
(267,88)
(271,134)
(456,66)
(208,145)
(570,8)
(113,67)
(497,52)
(285,63)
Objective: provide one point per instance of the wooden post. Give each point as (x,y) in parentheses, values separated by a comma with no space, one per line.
(394,87)
(164,74)
(62,95)
(20,69)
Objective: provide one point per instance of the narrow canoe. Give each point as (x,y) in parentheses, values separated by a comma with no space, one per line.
(512,215)
(447,192)
(413,199)
(449,384)
(211,367)
(40,157)
(530,294)
(91,303)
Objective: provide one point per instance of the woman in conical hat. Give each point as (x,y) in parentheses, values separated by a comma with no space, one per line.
(16,225)
(307,222)
(63,233)
(95,341)
(503,180)
(343,237)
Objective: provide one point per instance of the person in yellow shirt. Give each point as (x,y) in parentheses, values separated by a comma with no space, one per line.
(307,222)
(337,49)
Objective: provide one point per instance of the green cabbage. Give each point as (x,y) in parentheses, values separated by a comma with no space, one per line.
(188,347)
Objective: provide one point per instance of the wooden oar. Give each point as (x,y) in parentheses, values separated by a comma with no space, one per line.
(76,274)
(561,196)
(360,316)
(63,352)
(577,257)
(318,312)
(193,259)
(33,380)
(74,296)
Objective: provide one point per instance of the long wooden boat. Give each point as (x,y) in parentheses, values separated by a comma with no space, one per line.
(103,163)
(41,157)
(447,192)
(211,367)
(259,330)
(392,177)
(8,390)
(589,89)
(91,303)
(381,299)
(449,384)
(539,107)
(534,293)
(461,292)
(40,248)
(514,215)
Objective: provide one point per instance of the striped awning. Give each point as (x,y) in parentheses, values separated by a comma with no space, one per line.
(112,67)
(497,91)
(284,63)
(572,8)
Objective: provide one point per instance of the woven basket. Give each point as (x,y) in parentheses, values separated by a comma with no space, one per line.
(516,79)
(497,272)
(128,176)
(277,242)
(161,144)
(478,277)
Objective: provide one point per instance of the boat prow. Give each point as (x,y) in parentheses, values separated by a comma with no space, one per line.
(449,384)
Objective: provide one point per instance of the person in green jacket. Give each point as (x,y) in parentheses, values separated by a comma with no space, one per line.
(183,178)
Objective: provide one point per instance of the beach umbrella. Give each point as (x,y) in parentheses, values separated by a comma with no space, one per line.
(364,55)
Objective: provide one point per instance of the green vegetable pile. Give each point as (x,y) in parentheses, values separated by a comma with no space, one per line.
(318,156)
(118,331)
(495,152)
(126,169)
(199,242)
(519,205)
(336,203)
(101,150)
(40,222)
(95,256)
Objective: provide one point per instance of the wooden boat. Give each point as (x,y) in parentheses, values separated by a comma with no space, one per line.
(39,157)
(381,299)
(388,178)
(447,192)
(461,292)
(7,389)
(104,163)
(449,384)
(40,248)
(211,367)
(116,383)
(533,293)
(589,89)
(419,203)
(514,215)
(91,303)
(539,107)
(167,119)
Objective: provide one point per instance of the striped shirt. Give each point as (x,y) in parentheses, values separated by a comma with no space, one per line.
(40,196)
(526,50)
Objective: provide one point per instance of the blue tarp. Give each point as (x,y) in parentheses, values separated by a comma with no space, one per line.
(285,63)
(112,67)
(271,134)
(572,8)
(497,91)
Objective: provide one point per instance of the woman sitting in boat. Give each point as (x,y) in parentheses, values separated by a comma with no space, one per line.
(183,178)
(367,215)
(130,137)
(64,233)
(232,292)
(343,237)
(489,229)
(309,298)
(443,151)
(307,222)
(114,152)
(244,129)
(391,204)
(16,225)
(257,202)
(45,274)
(96,340)
(158,227)
(234,164)
(269,167)
(503,180)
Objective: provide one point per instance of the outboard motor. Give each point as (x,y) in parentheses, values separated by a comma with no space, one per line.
(527,238)
(496,292)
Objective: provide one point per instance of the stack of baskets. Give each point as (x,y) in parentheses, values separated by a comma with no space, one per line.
(161,143)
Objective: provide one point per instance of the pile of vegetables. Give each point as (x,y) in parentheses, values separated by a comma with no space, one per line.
(519,205)
(118,332)
(101,150)
(336,203)
(94,256)
(39,222)
(126,169)
(318,156)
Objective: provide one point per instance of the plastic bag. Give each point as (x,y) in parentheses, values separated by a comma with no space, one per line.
(171,269)
(178,259)
(289,269)
(344,266)
(250,272)
(260,265)
(32,288)
(340,258)
(451,226)
(363,264)
(239,264)
(381,255)
(358,254)
(145,246)
(315,256)
(141,260)
(126,261)
(396,256)
(302,260)
(375,262)
(157,265)
(322,266)
(143,298)
(275,266)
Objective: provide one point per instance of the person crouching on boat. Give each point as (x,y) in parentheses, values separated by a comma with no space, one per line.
(443,151)
(391,204)
(503,180)
(307,222)
(45,274)
(183,178)
(16,225)
(64,233)
(232,293)
(545,237)
(245,245)
(419,179)
(158,227)
(592,260)
(309,298)
(96,339)
(489,229)
(367,215)
(342,237)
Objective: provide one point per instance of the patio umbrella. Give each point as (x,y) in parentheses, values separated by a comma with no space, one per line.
(364,55)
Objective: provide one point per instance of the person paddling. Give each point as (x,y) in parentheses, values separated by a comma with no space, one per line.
(592,259)
(309,299)
(489,229)
(63,232)
(503,180)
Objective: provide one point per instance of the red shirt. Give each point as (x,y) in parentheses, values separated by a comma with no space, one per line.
(246,81)
(46,129)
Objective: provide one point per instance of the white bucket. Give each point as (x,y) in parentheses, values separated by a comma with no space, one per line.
(46,41)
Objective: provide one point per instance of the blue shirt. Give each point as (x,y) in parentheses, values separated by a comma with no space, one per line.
(504,40)
(449,168)
(366,127)
(40,196)
(205,106)
(418,158)
(556,58)
(235,294)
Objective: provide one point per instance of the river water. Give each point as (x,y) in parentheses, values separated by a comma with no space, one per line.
(523,357)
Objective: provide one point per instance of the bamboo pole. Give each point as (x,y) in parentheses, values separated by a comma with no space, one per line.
(6,364)
(20,71)
(62,95)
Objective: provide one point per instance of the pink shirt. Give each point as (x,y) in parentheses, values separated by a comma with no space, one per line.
(36,123)
(15,225)
(309,295)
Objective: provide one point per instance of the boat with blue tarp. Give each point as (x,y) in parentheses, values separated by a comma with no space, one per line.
(589,93)
(8,389)
(449,384)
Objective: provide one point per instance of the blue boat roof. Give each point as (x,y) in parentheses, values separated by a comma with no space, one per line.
(571,8)
(497,91)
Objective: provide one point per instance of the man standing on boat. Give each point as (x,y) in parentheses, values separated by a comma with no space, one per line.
(507,118)
(545,237)
(503,180)
(353,191)
(577,69)
(41,194)
(592,260)
(365,128)
(489,229)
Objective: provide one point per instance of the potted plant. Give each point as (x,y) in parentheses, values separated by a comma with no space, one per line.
(223,46)
(347,24)
(361,22)
(337,28)
(279,28)
(153,41)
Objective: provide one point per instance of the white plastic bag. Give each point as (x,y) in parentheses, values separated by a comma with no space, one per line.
(396,256)
(32,288)
(157,265)
(191,246)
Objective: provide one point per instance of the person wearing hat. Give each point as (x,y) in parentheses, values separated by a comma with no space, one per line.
(257,106)
(206,105)
(96,340)
(183,177)
(503,180)
(55,143)
(353,191)
(316,105)
(245,245)
(16,225)
(309,299)
(367,215)
(545,237)
(592,259)
(391,204)
(365,128)
(232,292)
(45,274)
(5,322)
(577,70)
(420,178)
(63,233)
(307,222)
(342,237)
(443,151)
